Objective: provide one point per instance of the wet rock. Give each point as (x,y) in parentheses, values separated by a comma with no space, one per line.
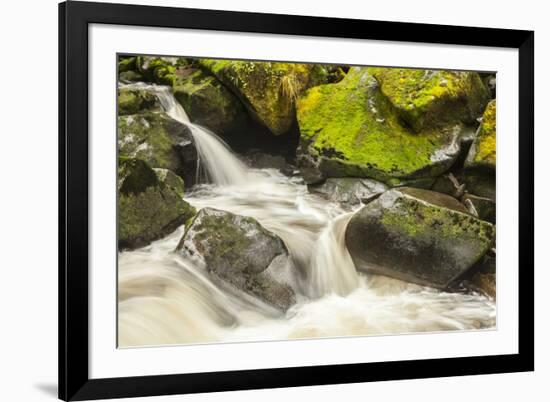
(158,140)
(481,277)
(449,184)
(240,252)
(349,190)
(412,235)
(149,207)
(209,103)
(132,101)
(261,160)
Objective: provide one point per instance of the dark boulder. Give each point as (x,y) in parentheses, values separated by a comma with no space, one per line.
(150,205)
(413,235)
(240,252)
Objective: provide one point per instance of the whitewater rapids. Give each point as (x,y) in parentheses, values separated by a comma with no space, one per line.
(164,299)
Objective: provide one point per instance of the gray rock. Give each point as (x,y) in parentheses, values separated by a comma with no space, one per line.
(349,190)
(412,235)
(239,251)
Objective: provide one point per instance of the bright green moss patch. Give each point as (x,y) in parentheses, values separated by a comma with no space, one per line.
(431,98)
(356,131)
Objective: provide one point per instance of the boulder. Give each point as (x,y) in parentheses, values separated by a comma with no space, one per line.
(416,236)
(428,98)
(149,208)
(209,103)
(268,89)
(349,190)
(238,251)
(158,140)
(132,101)
(160,70)
(350,129)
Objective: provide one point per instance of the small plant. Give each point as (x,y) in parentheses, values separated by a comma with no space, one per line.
(290,87)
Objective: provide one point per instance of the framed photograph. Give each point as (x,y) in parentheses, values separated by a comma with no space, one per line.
(258,201)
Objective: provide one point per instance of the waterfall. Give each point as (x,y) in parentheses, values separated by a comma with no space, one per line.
(215,159)
(167,299)
(332,269)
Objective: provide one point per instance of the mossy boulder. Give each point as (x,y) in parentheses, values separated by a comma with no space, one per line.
(267,89)
(351,129)
(238,251)
(432,98)
(209,103)
(170,179)
(159,70)
(132,101)
(158,140)
(413,235)
(348,190)
(148,208)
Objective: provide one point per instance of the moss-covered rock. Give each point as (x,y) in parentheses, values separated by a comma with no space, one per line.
(148,208)
(126,63)
(171,180)
(267,89)
(209,103)
(132,101)
(351,129)
(240,252)
(412,236)
(158,140)
(159,70)
(432,98)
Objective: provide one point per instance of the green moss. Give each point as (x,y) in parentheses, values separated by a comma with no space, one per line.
(268,89)
(131,101)
(145,136)
(419,219)
(147,208)
(209,103)
(356,131)
(126,64)
(431,98)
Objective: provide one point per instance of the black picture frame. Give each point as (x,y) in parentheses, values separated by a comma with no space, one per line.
(74,381)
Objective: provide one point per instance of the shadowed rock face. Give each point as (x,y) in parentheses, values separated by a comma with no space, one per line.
(240,252)
(413,235)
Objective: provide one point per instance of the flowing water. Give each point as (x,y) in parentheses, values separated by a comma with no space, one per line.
(165,299)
